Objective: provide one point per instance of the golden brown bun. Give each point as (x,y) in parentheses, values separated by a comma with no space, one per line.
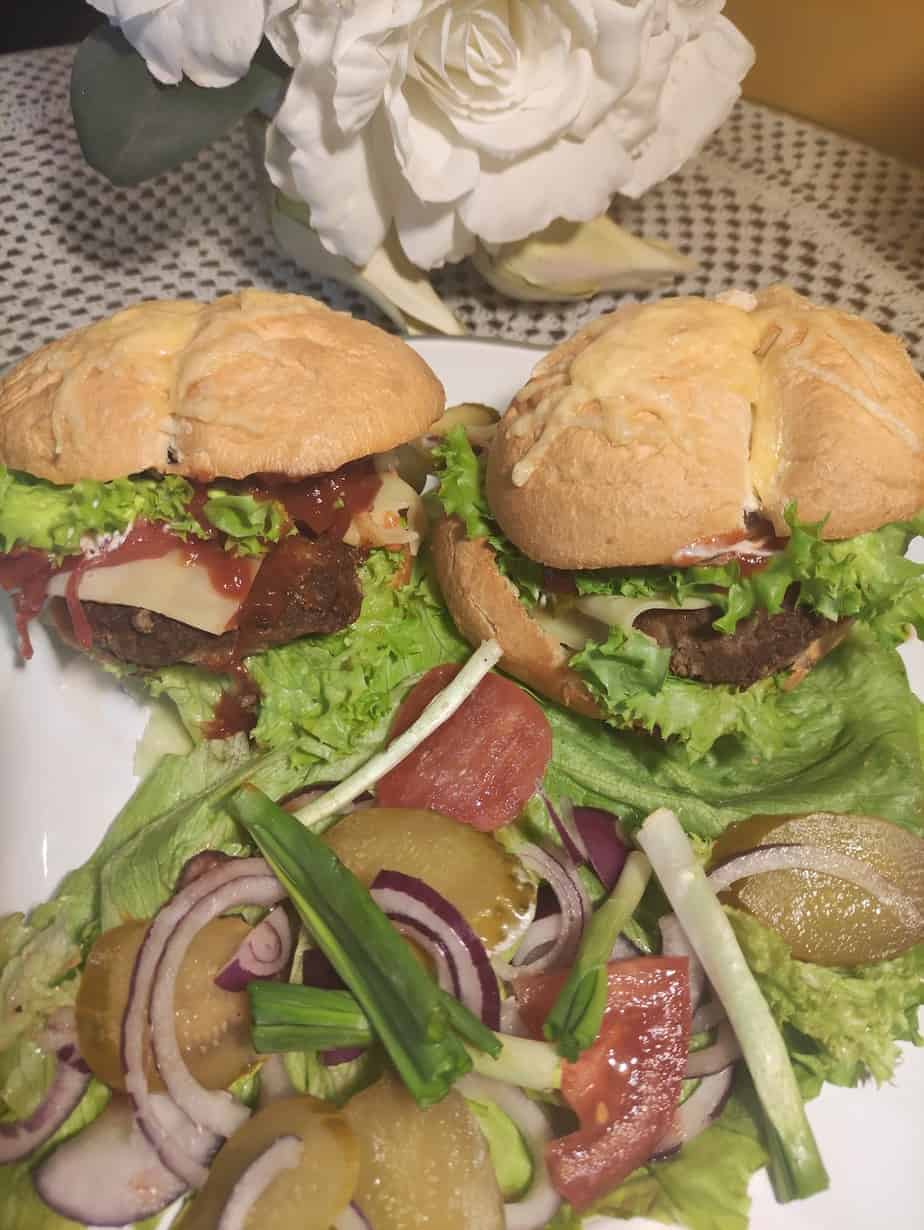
(636,430)
(255,381)
(483,604)
(633,439)
(839,426)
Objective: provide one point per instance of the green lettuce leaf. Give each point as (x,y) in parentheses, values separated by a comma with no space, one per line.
(461,494)
(846,739)
(841,1025)
(22,1209)
(705,1187)
(799,726)
(332,696)
(36,513)
(249,523)
(53,518)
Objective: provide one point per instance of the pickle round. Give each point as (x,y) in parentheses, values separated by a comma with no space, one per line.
(822,918)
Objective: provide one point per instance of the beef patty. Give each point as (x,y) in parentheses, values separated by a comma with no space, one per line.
(305,587)
(761,645)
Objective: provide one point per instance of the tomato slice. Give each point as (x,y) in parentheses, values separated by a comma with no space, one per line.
(482,765)
(625,1088)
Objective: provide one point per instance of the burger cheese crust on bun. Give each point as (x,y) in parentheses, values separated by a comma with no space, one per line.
(194,482)
(652,470)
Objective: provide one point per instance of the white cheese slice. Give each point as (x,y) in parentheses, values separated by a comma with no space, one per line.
(587,619)
(169,585)
(622,612)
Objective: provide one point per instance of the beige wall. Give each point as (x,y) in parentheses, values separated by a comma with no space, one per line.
(853,65)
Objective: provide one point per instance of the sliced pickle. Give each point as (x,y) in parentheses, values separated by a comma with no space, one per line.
(468,868)
(823,918)
(213,1026)
(311,1195)
(422,1169)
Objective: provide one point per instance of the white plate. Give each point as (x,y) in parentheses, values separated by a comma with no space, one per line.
(67,738)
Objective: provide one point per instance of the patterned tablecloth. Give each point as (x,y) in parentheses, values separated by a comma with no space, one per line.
(771,198)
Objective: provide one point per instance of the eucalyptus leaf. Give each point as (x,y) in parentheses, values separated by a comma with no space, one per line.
(131,127)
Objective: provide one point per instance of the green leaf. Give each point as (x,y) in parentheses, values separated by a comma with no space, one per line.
(131,127)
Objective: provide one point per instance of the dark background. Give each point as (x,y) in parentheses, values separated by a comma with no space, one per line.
(44,23)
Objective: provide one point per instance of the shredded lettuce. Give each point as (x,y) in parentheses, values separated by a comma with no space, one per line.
(841,1025)
(48,517)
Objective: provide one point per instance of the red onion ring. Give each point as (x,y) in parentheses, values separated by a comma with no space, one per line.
(263,954)
(563,933)
(109,1174)
(283,1154)
(179,1147)
(715,1058)
(674,943)
(216,1110)
(562,818)
(414,904)
(352,1218)
(791,857)
(694,1115)
(335,1056)
(605,842)
(21,1137)
(707,1016)
(540,1204)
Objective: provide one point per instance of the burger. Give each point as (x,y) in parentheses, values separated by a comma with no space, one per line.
(688,505)
(189,485)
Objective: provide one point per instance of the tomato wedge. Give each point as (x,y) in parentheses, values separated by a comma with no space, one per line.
(482,765)
(625,1088)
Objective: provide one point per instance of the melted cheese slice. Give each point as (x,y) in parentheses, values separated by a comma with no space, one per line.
(168,585)
(588,618)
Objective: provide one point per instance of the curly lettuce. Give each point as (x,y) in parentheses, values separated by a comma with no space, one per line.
(48,517)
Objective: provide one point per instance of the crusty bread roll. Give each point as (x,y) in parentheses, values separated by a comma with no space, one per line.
(659,425)
(253,382)
(839,422)
(630,440)
(484,604)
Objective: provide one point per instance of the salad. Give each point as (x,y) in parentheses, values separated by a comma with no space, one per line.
(520,972)
(583,1016)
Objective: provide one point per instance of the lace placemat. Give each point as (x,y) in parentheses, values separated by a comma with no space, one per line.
(772,198)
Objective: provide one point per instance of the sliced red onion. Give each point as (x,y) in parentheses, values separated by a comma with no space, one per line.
(573,902)
(562,818)
(217,1110)
(352,1218)
(707,1016)
(283,1154)
(109,1174)
(540,1204)
(179,1147)
(694,1115)
(715,1058)
(828,862)
(605,843)
(199,864)
(21,1137)
(412,903)
(674,943)
(335,1056)
(263,954)
(274,1081)
(317,971)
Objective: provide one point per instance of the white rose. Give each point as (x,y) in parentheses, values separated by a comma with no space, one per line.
(210,41)
(457,120)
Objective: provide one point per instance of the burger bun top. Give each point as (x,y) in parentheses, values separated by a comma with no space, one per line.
(662,425)
(252,382)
